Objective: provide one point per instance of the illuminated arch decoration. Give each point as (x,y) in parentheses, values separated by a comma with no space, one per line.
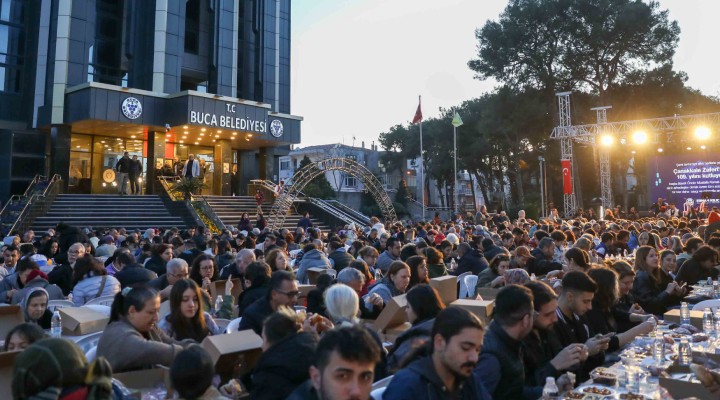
(305,175)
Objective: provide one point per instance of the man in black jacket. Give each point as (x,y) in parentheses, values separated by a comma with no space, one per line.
(287,356)
(543,355)
(282,291)
(339,257)
(123,169)
(490,250)
(470,260)
(135,172)
(543,255)
(500,367)
(131,273)
(571,327)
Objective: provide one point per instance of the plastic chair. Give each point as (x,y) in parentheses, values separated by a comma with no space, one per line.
(102,300)
(377,394)
(88,342)
(91,354)
(233,325)
(58,304)
(461,281)
(222,323)
(470,282)
(713,304)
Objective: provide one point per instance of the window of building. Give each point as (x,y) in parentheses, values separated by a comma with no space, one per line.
(104,56)
(284,165)
(350,181)
(12,45)
(192,26)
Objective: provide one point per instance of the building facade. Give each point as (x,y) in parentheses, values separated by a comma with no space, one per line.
(82,81)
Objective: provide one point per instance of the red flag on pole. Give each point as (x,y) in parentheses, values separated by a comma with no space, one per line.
(567,176)
(418,115)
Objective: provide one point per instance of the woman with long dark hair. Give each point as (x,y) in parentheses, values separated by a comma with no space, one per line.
(601,319)
(418,271)
(654,289)
(131,339)
(187,319)
(435,265)
(494,276)
(161,254)
(91,280)
(699,267)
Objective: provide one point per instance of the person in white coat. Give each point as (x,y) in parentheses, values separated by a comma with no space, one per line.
(191,169)
(92,281)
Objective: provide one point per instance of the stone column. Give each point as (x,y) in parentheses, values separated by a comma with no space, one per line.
(60,152)
(222,158)
(155,152)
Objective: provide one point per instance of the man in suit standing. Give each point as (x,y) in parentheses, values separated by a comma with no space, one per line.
(191,169)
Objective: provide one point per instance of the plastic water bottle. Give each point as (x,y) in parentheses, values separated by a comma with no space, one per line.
(659,348)
(453,264)
(708,325)
(684,353)
(684,313)
(218,304)
(378,275)
(56,325)
(550,390)
(716,289)
(717,322)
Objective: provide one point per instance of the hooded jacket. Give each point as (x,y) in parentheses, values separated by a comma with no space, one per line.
(419,381)
(283,367)
(45,319)
(53,292)
(312,259)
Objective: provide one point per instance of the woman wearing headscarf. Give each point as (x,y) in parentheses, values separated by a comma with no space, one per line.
(34,307)
(57,369)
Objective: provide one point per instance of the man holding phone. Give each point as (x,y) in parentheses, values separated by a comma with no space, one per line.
(571,326)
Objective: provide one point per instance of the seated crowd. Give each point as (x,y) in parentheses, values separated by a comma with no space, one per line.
(566,294)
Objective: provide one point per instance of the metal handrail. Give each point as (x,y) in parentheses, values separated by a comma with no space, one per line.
(335,212)
(37,204)
(198,200)
(427,207)
(348,210)
(35,180)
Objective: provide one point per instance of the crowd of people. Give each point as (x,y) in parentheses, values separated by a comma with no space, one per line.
(567,293)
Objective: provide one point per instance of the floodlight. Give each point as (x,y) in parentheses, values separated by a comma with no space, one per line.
(688,148)
(660,149)
(702,132)
(607,140)
(639,137)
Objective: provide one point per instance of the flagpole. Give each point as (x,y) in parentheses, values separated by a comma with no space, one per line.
(422,168)
(455,186)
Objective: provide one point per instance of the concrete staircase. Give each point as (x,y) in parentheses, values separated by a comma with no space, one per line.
(230,209)
(100,210)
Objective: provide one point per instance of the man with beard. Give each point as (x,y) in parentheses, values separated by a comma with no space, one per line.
(543,355)
(344,367)
(456,342)
(500,367)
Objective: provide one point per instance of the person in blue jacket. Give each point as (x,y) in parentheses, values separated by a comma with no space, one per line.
(447,373)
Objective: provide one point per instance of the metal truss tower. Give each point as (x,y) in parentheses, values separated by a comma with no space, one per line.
(605,179)
(566,149)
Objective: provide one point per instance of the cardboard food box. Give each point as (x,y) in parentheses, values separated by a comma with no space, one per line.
(82,320)
(488,293)
(304,290)
(233,354)
(682,389)
(393,315)
(313,274)
(695,318)
(447,287)
(7,362)
(217,288)
(143,382)
(481,308)
(10,317)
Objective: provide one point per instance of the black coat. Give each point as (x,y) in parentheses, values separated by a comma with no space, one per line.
(62,276)
(651,294)
(283,367)
(316,302)
(157,265)
(341,259)
(539,348)
(691,273)
(249,296)
(541,265)
(69,235)
(473,261)
(254,315)
(134,275)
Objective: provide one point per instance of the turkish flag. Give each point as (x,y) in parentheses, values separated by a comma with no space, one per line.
(567,176)
(418,115)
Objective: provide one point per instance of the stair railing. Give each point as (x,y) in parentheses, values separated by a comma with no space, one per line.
(37,205)
(203,214)
(335,212)
(350,211)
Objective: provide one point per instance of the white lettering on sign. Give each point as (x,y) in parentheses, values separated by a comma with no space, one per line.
(228,121)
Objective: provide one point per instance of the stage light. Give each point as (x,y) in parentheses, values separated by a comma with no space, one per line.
(688,148)
(639,137)
(702,132)
(703,147)
(660,150)
(607,140)
(633,152)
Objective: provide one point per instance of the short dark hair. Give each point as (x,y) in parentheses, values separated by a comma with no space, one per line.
(692,244)
(192,371)
(335,245)
(558,236)
(487,242)
(424,301)
(258,272)
(623,234)
(542,293)
(578,281)
(31,333)
(281,324)
(452,320)
(705,253)
(607,236)
(512,303)
(125,258)
(276,280)
(546,242)
(391,242)
(350,343)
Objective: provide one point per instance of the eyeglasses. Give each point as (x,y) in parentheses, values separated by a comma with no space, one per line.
(181,276)
(290,294)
